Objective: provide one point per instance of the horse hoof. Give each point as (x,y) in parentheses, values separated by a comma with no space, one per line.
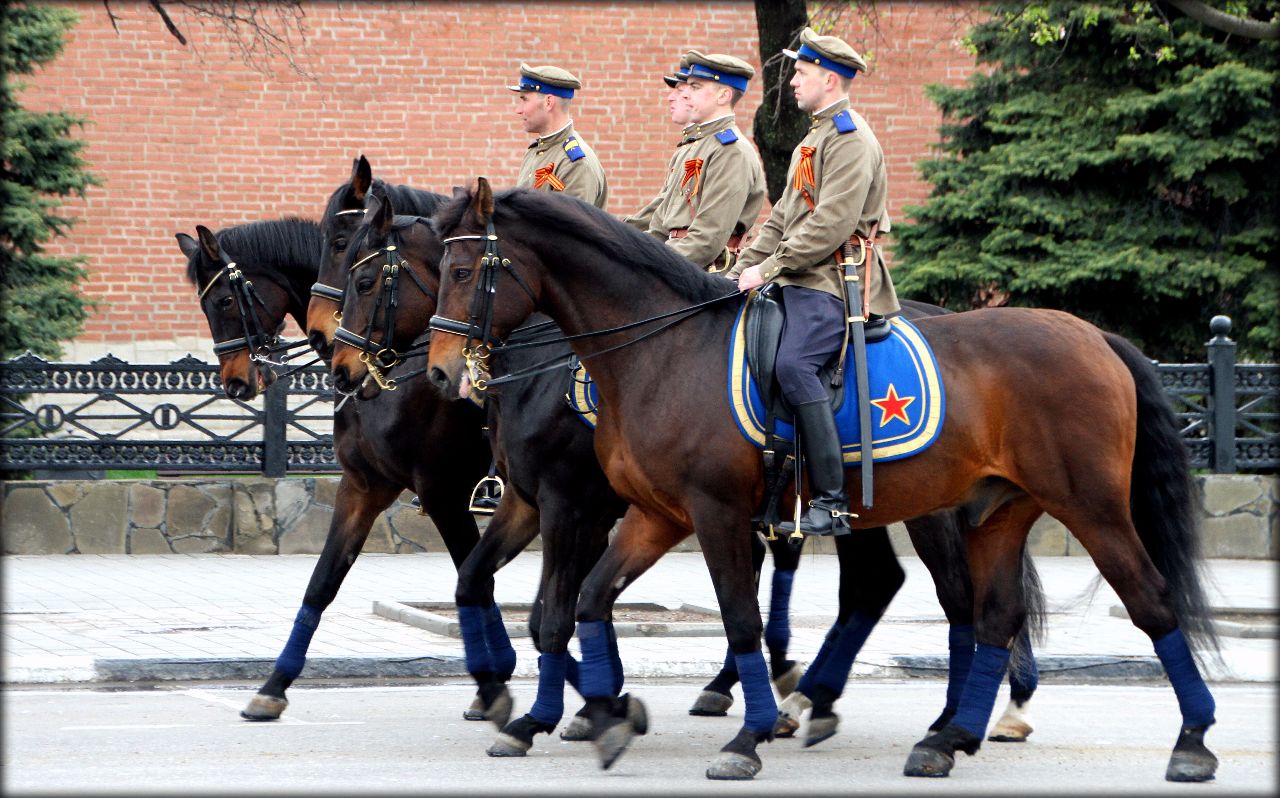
(612,742)
(1014,726)
(787,682)
(475,711)
(1191,760)
(789,712)
(637,715)
(264,707)
(928,763)
(577,730)
(823,728)
(711,704)
(499,710)
(507,745)
(733,767)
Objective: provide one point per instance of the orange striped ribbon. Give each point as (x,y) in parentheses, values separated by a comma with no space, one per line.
(692,171)
(546,174)
(804,174)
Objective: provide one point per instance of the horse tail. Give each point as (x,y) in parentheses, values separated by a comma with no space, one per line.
(1033,599)
(1163,500)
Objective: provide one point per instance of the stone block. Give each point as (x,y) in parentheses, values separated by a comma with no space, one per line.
(406,531)
(1238,535)
(188,508)
(100,520)
(326,490)
(254,527)
(293,497)
(146,505)
(148,541)
(1228,493)
(33,523)
(199,544)
(1049,538)
(66,493)
(307,534)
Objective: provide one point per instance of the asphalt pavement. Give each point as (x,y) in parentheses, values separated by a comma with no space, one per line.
(90,619)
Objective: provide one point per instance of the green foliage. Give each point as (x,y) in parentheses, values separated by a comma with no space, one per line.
(1113,162)
(40,303)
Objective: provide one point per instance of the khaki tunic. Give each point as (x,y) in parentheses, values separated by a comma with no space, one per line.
(724,194)
(796,246)
(583,178)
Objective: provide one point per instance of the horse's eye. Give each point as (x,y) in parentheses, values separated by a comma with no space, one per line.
(339,244)
(226,303)
(365,286)
(461,275)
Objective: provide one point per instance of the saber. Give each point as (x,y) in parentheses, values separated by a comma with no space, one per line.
(857,321)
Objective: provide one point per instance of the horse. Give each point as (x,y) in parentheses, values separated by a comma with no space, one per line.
(390,246)
(1045,413)
(383,446)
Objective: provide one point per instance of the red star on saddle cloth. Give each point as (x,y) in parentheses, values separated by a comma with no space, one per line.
(892,406)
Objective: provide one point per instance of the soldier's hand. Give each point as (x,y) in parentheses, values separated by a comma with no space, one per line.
(750,278)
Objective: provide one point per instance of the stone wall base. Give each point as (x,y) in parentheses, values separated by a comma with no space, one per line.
(1241,519)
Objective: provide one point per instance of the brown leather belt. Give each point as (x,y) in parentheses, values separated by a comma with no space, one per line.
(725,259)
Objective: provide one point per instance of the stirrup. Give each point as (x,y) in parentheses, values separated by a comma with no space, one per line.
(485,496)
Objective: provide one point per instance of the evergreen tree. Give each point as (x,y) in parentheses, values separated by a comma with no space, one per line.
(40,303)
(1115,160)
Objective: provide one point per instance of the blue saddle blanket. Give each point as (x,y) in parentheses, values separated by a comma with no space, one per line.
(906,392)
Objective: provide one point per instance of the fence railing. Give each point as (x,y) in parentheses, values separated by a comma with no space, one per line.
(58,418)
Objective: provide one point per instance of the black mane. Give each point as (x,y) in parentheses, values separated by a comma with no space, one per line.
(405,199)
(290,245)
(579,220)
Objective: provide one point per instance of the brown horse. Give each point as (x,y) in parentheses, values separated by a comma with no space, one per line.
(1045,413)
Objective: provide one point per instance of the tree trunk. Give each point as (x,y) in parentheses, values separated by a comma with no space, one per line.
(779,124)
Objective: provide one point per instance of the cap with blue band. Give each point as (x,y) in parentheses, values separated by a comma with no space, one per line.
(807,53)
(550,80)
(528,84)
(704,72)
(828,52)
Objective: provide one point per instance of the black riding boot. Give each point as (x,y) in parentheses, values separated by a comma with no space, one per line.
(829,504)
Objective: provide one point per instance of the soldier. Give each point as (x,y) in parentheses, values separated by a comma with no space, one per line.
(678,107)
(837,191)
(558,160)
(715,184)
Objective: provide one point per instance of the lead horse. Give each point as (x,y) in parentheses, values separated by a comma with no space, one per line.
(1046,413)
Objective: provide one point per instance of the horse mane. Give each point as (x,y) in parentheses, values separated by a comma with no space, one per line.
(406,199)
(587,224)
(291,244)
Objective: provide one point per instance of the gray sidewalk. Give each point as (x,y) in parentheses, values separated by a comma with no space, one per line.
(104,618)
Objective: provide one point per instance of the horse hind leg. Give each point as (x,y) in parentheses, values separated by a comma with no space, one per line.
(1014,725)
(994,551)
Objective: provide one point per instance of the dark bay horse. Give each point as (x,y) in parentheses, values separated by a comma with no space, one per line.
(1046,413)
(384,446)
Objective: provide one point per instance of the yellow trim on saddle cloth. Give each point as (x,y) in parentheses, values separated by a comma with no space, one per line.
(923,433)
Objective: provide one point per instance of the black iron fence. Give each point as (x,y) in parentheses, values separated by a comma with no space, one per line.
(60,418)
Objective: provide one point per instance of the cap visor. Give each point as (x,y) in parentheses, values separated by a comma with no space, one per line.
(792,54)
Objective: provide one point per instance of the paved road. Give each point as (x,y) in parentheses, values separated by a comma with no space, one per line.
(381,739)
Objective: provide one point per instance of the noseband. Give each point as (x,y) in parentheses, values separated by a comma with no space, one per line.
(255,338)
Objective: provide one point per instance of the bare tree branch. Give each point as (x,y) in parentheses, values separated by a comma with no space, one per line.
(168,23)
(1228,23)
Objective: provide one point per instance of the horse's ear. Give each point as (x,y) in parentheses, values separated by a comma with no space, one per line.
(482,200)
(459,192)
(209,243)
(187,244)
(361,177)
(382,213)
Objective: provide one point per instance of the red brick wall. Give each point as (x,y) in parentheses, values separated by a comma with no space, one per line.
(190,135)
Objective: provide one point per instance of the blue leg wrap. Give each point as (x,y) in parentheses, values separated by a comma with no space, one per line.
(294,656)
(960,643)
(809,679)
(501,653)
(615,660)
(596,673)
(1194,698)
(572,674)
(762,710)
(777,632)
(549,706)
(980,689)
(835,671)
(1024,680)
(471,619)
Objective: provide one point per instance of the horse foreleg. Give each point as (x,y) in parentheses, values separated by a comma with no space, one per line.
(640,540)
(354,512)
(870,577)
(489,655)
(716,698)
(994,551)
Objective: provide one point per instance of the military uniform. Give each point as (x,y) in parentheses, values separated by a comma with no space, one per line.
(560,161)
(715,183)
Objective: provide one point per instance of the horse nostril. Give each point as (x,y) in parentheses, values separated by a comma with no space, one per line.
(320,345)
(342,378)
(438,379)
(237,389)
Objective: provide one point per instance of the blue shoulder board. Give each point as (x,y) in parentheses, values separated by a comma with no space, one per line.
(572,149)
(844,122)
(726,136)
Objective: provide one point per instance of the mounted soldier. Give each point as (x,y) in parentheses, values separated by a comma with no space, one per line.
(559,159)
(836,196)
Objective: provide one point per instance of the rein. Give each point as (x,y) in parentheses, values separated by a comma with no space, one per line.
(479,325)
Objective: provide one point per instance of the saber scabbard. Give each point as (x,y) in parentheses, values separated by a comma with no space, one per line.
(857,320)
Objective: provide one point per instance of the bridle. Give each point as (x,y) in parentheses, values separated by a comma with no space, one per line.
(255,338)
(380,357)
(327,291)
(478,327)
